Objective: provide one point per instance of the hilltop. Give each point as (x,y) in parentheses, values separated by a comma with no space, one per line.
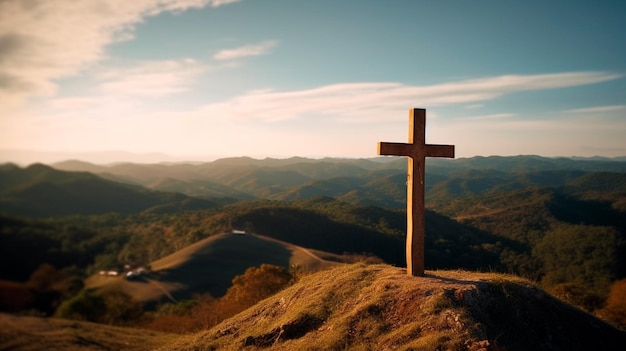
(377,307)
(361,307)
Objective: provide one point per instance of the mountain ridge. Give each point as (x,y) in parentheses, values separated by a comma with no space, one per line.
(299,178)
(40,190)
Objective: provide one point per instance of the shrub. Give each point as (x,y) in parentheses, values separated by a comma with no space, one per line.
(577,295)
(615,308)
(257,284)
(110,307)
(14,296)
(86,306)
(51,286)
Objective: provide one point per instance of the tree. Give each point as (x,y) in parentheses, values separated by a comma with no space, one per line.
(86,306)
(14,296)
(615,308)
(51,286)
(257,284)
(577,295)
(109,307)
(582,254)
(121,309)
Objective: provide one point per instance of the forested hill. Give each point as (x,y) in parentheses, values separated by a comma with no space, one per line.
(39,190)
(559,222)
(375,181)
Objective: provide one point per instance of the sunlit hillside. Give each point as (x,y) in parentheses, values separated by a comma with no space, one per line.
(209,266)
(360,307)
(556,223)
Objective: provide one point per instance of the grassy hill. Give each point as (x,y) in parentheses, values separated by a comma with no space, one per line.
(360,307)
(209,266)
(39,334)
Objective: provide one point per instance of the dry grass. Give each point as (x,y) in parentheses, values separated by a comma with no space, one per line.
(353,307)
(377,307)
(35,334)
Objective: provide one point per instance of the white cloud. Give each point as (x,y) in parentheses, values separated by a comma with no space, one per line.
(379,101)
(43,40)
(596,109)
(152,79)
(245,51)
(240,124)
(218,3)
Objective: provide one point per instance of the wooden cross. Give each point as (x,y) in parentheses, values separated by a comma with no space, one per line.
(416,150)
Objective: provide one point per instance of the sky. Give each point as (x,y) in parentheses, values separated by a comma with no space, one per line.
(196,80)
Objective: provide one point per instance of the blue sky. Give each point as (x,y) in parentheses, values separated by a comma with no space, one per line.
(202,79)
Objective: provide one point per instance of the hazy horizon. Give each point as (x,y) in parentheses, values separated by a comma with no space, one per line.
(28,157)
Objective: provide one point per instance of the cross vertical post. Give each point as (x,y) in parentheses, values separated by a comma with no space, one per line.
(416,150)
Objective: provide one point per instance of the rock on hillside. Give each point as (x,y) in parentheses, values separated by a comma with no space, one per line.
(377,307)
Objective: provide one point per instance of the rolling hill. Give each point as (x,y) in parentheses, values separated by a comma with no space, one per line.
(209,266)
(559,222)
(375,181)
(359,307)
(40,190)
(240,177)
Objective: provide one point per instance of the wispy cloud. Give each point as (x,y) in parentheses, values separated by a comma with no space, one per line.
(378,101)
(152,79)
(245,51)
(218,3)
(597,109)
(42,40)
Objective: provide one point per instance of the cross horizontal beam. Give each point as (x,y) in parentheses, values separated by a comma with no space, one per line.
(404,149)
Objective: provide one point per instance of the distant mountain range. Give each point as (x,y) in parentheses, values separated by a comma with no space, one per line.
(76,187)
(375,181)
(40,190)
